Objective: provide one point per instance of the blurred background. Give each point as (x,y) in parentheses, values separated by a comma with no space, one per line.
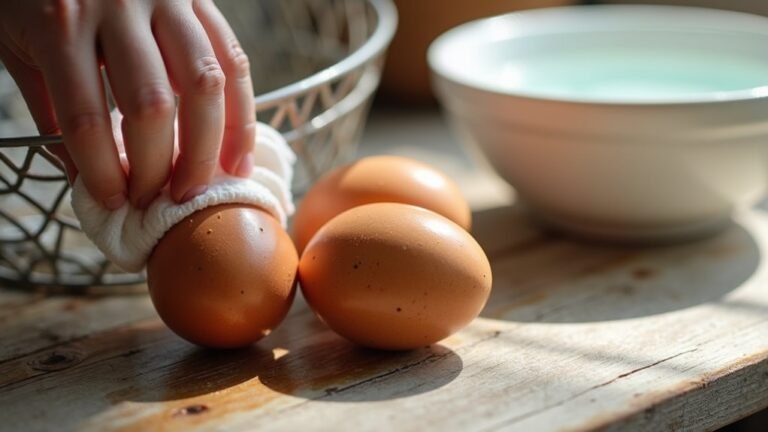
(406,75)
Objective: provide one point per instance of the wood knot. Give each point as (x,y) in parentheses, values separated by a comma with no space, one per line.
(56,360)
(191,410)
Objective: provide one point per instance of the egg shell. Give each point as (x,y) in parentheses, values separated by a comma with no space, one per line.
(394,276)
(378,179)
(223,277)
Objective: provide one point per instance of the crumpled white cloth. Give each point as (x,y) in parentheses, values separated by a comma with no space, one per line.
(127,235)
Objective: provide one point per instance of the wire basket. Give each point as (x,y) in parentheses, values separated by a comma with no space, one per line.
(316,65)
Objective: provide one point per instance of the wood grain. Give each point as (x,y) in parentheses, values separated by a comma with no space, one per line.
(576,337)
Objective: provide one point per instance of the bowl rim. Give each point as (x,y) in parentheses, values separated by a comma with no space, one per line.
(481,29)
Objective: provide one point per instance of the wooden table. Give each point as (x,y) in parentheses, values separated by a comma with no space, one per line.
(575,337)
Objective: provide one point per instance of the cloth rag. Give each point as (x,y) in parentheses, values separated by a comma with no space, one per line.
(128,235)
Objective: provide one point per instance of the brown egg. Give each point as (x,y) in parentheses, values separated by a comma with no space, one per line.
(394,276)
(378,179)
(223,277)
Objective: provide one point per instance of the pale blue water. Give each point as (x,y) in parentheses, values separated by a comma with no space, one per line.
(630,74)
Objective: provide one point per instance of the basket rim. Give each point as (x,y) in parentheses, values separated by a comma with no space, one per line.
(386,25)
(386,13)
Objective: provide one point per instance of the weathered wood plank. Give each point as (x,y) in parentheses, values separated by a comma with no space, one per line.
(39,324)
(13,300)
(575,337)
(143,364)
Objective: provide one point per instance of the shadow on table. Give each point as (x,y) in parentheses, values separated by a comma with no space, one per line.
(304,359)
(541,276)
(190,372)
(335,370)
(317,365)
(145,362)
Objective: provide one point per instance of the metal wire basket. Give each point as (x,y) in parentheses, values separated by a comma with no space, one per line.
(316,65)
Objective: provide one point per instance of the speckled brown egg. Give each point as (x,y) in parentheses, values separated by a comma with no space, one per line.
(394,276)
(378,179)
(223,277)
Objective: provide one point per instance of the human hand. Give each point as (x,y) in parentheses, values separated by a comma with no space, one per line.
(152,50)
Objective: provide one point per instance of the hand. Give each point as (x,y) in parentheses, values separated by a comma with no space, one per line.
(151,50)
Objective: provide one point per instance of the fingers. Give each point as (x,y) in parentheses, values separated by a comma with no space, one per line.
(35,92)
(199,81)
(71,73)
(213,98)
(144,95)
(240,123)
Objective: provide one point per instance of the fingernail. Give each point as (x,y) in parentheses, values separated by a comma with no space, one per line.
(195,191)
(245,167)
(115,201)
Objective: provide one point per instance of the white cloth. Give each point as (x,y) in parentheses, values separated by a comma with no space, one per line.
(127,235)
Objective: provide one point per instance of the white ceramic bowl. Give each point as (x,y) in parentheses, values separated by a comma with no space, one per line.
(632,122)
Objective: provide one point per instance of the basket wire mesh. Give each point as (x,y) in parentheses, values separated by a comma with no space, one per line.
(315,64)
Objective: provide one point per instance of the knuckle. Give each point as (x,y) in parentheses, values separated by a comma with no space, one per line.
(86,123)
(153,103)
(208,162)
(210,78)
(61,12)
(56,9)
(237,62)
(200,162)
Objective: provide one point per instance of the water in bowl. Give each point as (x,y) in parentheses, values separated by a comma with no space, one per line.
(642,69)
